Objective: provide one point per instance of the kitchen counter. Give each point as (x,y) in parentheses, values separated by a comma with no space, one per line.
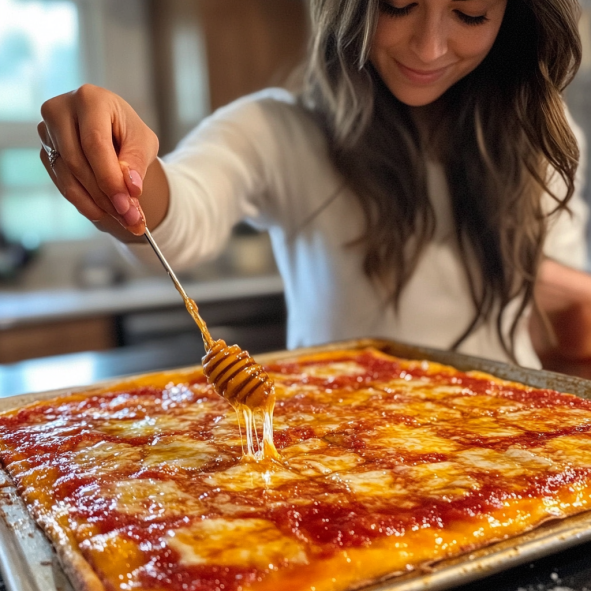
(22,308)
(56,322)
(90,278)
(83,296)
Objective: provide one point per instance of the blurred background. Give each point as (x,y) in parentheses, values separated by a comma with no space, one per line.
(64,290)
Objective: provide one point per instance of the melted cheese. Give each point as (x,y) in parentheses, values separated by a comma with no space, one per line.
(106,457)
(488,426)
(373,483)
(178,452)
(116,556)
(305,447)
(511,463)
(238,542)
(549,419)
(483,403)
(442,479)
(570,449)
(252,475)
(335,369)
(146,427)
(424,411)
(409,439)
(148,499)
(321,464)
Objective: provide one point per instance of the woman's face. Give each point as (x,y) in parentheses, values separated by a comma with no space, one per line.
(423,47)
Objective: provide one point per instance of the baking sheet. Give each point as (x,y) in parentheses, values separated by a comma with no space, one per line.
(29,563)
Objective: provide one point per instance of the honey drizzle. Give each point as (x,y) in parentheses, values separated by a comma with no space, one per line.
(256,385)
(265,449)
(194,311)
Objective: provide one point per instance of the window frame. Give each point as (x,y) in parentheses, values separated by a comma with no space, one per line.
(98,26)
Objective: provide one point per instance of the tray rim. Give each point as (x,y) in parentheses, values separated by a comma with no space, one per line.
(550,537)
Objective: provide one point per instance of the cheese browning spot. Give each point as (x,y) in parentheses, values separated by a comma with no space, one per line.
(113,554)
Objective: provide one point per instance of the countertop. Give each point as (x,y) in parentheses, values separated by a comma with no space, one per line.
(29,307)
(90,278)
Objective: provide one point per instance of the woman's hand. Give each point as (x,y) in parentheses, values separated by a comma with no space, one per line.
(106,163)
(561,333)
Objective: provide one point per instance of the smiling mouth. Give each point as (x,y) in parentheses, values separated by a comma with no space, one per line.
(422,76)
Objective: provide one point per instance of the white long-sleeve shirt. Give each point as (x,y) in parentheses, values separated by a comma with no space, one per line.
(264,160)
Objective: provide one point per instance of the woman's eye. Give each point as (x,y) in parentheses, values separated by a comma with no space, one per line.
(471,20)
(390,10)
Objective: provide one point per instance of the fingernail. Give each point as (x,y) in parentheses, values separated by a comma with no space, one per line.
(136,179)
(132,216)
(136,203)
(121,202)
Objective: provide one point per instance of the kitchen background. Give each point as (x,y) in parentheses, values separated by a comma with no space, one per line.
(64,290)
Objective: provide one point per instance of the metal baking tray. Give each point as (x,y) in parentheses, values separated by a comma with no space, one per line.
(29,563)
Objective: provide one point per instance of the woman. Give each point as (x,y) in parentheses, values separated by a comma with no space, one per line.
(408,191)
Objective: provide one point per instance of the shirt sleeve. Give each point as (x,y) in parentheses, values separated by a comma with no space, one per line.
(566,241)
(221,173)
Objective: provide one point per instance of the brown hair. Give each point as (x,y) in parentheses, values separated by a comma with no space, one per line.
(505,131)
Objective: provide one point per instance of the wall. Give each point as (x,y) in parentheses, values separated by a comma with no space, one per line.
(210,52)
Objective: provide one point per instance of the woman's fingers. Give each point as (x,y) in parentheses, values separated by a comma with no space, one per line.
(72,174)
(96,135)
(87,127)
(119,167)
(62,130)
(76,194)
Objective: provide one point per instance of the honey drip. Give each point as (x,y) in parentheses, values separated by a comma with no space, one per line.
(236,376)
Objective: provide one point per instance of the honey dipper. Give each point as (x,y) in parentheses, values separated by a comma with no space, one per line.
(232,372)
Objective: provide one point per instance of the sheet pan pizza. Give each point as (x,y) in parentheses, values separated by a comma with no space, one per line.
(385,465)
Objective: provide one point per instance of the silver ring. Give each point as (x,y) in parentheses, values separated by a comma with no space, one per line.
(52,156)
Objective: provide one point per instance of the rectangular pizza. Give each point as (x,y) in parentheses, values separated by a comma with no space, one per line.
(384,465)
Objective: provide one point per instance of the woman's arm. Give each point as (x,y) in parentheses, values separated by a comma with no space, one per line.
(562,339)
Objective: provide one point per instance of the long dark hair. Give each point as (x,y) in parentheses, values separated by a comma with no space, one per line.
(503,132)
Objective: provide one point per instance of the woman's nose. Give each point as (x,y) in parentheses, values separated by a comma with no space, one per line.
(429,40)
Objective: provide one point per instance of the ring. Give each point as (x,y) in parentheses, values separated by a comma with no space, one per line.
(52,156)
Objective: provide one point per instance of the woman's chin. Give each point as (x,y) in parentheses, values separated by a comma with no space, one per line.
(417,97)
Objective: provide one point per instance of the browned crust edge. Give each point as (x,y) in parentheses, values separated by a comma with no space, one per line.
(78,570)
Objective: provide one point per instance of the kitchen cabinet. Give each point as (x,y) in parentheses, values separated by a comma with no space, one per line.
(208,53)
(57,338)
(248,310)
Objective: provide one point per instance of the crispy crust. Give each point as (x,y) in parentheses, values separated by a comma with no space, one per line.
(75,566)
(80,573)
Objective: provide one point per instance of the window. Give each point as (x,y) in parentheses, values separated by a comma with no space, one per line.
(39,58)
(32,210)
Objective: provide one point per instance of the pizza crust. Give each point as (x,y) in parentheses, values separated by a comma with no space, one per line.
(75,566)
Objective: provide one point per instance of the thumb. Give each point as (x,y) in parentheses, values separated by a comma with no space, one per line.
(137,149)
(134,180)
(133,177)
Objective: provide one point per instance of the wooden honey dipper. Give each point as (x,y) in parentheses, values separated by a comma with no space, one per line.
(232,372)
